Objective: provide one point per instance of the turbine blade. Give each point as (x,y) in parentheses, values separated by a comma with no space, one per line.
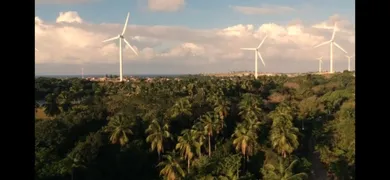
(248,49)
(36,49)
(130,46)
(262,42)
(261,58)
(116,37)
(124,27)
(334,31)
(326,42)
(337,45)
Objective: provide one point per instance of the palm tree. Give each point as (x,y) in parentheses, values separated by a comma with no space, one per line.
(120,127)
(199,134)
(283,134)
(210,125)
(51,105)
(282,172)
(190,89)
(244,140)
(181,107)
(158,132)
(188,146)
(171,167)
(222,108)
(64,101)
(249,107)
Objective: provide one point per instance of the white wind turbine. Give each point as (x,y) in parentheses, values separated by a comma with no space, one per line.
(320,63)
(349,62)
(332,42)
(121,37)
(257,53)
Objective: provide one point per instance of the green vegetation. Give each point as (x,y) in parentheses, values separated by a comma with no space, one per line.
(207,128)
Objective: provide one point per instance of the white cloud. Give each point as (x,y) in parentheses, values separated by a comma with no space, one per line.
(341,24)
(69,17)
(264,9)
(72,40)
(165,5)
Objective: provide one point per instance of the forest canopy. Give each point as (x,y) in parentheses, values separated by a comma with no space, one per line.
(206,128)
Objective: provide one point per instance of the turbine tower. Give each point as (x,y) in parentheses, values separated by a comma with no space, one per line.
(349,62)
(257,53)
(82,73)
(121,37)
(332,42)
(320,63)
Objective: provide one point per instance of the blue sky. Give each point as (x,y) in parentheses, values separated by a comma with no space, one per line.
(197,14)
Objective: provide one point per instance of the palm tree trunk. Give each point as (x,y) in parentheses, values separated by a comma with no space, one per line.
(159,156)
(188,166)
(238,171)
(209,144)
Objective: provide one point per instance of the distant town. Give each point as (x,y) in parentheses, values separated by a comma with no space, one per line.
(171,77)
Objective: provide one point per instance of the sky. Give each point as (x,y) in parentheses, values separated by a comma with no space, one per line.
(190,36)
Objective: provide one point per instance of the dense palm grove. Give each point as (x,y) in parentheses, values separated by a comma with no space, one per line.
(272,128)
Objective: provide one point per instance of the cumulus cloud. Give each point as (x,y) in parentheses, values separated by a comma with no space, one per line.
(264,9)
(165,5)
(341,24)
(69,17)
(73,41)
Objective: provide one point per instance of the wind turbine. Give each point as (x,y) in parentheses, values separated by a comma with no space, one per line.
(121,37)
(332,42)
(257,53)
(349,62)
(320,63)
(36,49)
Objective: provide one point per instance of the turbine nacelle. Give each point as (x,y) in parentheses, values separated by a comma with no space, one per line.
(257,49)
(332,42)
(121,37)
(257,54)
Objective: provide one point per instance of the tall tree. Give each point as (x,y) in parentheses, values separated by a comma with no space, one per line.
(282,171)
(249,107)
(210,125)
(120,127)
(171,167)
(158,133)
(188,146)
(244,140)
(181,107)
(51,105)
(283,134)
